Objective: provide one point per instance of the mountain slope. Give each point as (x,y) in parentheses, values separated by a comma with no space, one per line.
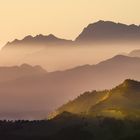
(123,101)
(120,101)
(109,31)
(38,40)
(83,103)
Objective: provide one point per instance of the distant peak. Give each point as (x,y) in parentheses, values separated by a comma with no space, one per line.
(30,67)
(109,31)
(98,22)
(28,37)
(15,40)
(51,36)
(124,57)
(111,22)
(102,22)
(39,35)
(120,56)
(25,65)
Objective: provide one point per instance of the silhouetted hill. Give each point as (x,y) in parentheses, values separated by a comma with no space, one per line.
(101,31)
(107,31)
(38,40)
(68,53)
(15,72)
(119,102)
(135,53)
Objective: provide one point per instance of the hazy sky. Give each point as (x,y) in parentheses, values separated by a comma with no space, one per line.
(64,18)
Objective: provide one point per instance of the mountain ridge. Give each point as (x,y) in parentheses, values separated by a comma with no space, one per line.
(93,33)
(24,70)
(108,31)
(113,103)
(39,40)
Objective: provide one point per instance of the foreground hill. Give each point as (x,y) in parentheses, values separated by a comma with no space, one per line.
(119,102)
(71,127)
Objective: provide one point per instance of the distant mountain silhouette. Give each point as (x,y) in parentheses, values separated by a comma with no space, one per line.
(118,102)
(38,40)
(134,53)
(31,49)
(107,31)
(101,31)
(52,49)
(15,72)
(48,87)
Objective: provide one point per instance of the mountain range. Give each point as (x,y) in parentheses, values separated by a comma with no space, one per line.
(134,53)
(107,110)
(43,89)
(101,31)
(104,38)
(15,72)
(41,40)
(32,84)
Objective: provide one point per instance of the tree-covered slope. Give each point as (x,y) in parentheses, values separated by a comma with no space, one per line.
(119,102)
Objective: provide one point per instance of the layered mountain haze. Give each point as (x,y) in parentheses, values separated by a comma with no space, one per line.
(33,50)
(11,100)
(40,91)
(97,42)
(76,68)
(119,102)
(97,32)
(67,75)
